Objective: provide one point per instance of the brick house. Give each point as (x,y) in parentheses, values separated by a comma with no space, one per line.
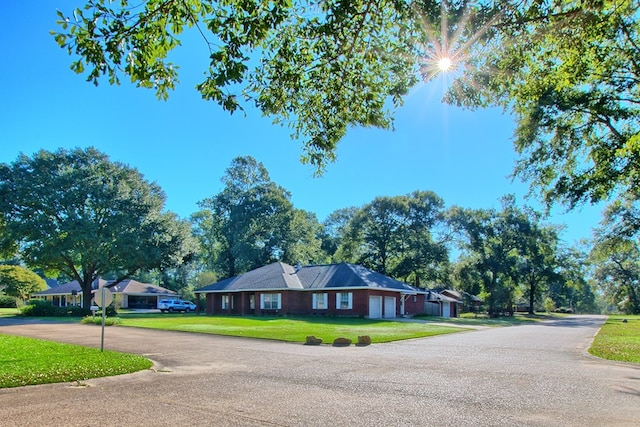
(314,290)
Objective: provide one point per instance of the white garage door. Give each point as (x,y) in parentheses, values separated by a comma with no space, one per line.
(375,307)
(446,310)
(389,307)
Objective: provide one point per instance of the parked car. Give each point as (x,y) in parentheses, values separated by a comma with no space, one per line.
(171,305)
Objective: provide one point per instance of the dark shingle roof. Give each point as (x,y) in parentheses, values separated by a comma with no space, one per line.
(273,276)
(130,287)
(283,276)
(133,287)
(68,288)
(348,276)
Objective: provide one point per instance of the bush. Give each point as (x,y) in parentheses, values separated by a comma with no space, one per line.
(39,308)
(549,305)
(97,320)
(45,309)
(111,310)
(7,301)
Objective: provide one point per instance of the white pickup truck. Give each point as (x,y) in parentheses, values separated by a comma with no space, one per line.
(171,305)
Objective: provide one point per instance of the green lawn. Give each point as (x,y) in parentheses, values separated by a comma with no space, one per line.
(289,329)
(28,361)
(9,312)
(617,340)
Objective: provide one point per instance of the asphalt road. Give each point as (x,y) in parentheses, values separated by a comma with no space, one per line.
(532,375)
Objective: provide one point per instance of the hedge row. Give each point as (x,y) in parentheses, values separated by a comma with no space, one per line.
(8,302)
(44,308)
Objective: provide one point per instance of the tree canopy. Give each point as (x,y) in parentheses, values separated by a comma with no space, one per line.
(616,259)
(566,70)
(19,282)
(252,222)
(79,213)
(569,72)
(506,252)
(398,236)
(316,67)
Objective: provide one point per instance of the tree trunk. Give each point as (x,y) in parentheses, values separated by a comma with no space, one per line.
(532,293)
(493,310)
(87,296)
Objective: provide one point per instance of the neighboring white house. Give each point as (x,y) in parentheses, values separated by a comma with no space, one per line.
(133,294)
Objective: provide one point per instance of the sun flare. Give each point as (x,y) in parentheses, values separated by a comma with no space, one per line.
(444,64)
(448,45)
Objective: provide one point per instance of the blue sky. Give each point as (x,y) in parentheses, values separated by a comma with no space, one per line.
(185,144)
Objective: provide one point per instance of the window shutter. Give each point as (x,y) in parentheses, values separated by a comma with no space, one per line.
(314,301)
(338,297)
(279,301)
(262,301)
(350,300)
(324,300)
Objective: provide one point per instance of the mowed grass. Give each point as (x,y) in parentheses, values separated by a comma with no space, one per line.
(9,312)
(290,329)
(28,361)
(617,340)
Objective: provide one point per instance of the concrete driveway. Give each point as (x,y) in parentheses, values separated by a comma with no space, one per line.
(533,375)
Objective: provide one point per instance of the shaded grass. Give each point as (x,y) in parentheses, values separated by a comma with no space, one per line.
(617,340)
(292,329)
(9,312)
(29,361)
(16,312)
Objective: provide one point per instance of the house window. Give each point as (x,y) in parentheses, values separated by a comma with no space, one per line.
(320,301)
(344,300)
(270,301)
(225,302)
(252,302)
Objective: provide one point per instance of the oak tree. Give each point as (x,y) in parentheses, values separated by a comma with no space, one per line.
(250,218)
(83,215)
(20,282)
(569,74)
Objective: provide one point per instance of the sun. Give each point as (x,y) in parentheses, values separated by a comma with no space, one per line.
(445,64)
(446,47)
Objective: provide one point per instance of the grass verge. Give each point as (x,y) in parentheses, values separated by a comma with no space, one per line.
(29,361)
(289,329)
(618,340)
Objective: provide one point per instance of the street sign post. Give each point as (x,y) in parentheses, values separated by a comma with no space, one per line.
(103,298)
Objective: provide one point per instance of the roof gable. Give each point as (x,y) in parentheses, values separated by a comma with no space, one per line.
(277,275)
